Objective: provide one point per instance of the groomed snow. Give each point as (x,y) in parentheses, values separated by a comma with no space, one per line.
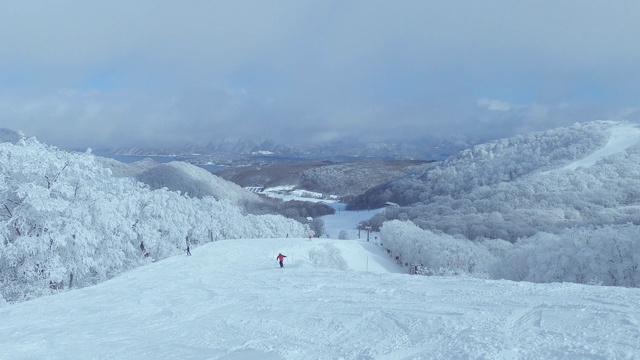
(230,300)
(623,136)
(348,221)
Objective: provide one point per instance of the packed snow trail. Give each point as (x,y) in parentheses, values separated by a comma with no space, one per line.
(623,136)
(230,300)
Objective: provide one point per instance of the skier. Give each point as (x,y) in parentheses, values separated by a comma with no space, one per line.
(188,251)
(280,258)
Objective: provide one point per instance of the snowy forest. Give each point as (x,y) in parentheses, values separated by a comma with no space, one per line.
(67,222)
(525,208)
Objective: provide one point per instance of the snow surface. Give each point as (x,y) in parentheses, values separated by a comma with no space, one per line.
(230,300)
(623,136)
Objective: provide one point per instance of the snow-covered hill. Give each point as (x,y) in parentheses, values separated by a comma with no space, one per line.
(333,300)
(8,135)
(181,176)
(196,182)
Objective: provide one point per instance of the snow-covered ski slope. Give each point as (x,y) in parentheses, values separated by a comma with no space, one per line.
(230,300)
(623,136)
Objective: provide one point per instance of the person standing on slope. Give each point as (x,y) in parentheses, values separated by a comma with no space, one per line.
(280,258)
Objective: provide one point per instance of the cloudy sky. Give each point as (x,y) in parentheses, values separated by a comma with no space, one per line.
(80,74)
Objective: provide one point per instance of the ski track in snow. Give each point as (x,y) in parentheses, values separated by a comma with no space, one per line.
(623,136)
(231,301)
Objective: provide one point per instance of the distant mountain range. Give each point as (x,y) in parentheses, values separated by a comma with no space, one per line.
(240,152)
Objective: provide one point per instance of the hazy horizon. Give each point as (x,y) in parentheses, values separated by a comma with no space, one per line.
(160,73)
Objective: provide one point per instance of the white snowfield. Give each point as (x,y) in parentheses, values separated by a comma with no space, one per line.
(334,299)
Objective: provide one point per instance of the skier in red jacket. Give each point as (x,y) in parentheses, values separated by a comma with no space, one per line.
(280,258)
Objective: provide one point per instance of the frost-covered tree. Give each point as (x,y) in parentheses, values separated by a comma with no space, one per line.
(317,226)
(609,255)
(489,164)
(410,245)
(566,223)
(65,221)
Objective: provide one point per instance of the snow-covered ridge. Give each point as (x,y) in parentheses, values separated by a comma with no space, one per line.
(196,182)
(181,176)
(7,135)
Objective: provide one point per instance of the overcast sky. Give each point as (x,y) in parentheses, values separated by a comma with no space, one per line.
(80,74)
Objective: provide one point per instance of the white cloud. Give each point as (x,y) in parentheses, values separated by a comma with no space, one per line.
(494,105)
